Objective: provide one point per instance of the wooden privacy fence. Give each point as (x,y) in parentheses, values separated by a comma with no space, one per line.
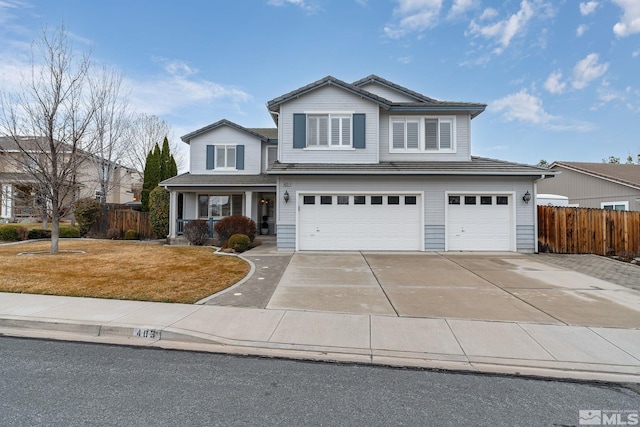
(588,231)
(123,220)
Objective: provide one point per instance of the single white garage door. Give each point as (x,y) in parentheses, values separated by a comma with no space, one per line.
(359,222)
(480,223)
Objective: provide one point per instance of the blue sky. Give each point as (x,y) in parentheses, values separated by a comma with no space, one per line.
(561,77)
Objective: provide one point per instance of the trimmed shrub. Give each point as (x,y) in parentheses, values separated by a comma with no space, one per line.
(87,212)
(131,235)
(39,233)
(113,234)
(235,224)
(12,233)
(159,212)
(68,232)
(239,242)
(196,232)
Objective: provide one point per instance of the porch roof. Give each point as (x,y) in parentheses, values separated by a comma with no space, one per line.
(191,180)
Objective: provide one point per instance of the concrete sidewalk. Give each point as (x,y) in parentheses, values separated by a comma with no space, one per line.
(576,352)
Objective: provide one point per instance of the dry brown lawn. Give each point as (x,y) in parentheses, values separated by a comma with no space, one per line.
(119,270)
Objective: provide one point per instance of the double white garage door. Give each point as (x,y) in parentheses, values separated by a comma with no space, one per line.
(394,222)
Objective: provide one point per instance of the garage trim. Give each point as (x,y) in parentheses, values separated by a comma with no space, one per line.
(512,196)
(301,193)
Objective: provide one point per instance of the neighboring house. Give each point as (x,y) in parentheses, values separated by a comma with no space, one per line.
(19,197)
(596,185)
(369,165)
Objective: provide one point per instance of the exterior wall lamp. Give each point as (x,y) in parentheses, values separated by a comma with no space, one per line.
(526,197)
(286,196)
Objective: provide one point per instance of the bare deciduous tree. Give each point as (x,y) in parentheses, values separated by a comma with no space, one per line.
(49,118)
(145,132)
(111,122)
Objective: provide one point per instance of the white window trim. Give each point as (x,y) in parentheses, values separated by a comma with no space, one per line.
(625,204)
(266,157)
(330,115)
(421,132)
(215,157)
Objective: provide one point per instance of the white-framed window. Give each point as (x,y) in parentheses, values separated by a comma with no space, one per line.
(422,134)
(225,156)
(272,156)
(615,206)
(219,206)
(405,134)
(329,130)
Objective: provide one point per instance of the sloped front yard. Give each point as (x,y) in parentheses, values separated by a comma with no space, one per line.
(119,270)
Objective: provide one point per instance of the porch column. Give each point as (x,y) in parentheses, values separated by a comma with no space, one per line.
(6,201)
(173,213)
(248,203)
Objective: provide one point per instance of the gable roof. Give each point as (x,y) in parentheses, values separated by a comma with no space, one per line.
(403,90)
(624,174)
(224,122)
(422,103)
(478,166)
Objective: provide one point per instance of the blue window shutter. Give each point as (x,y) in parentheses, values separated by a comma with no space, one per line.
(211,161)
(359,130)
(240,157)
(299,130)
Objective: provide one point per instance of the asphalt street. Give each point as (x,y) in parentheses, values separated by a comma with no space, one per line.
(72,384)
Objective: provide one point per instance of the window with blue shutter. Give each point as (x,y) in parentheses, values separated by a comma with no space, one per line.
(359,131)
(211,149)
(299,130)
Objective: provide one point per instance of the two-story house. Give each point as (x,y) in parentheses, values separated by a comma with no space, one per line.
(19,196)
(369,165)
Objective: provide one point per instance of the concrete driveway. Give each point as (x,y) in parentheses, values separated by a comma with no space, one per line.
(488,286)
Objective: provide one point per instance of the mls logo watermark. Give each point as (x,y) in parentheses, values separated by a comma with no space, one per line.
(601,417)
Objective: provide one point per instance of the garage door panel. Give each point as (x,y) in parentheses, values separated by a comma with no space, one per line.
(360,226)
(480,227)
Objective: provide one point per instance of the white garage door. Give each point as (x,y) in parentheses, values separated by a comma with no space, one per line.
(480,223)
(359,222)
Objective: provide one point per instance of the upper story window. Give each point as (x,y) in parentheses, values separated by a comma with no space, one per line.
(229,157)
(422,134)
(339,130)
(328,130)
(272,156)
(405,134)
(226,156)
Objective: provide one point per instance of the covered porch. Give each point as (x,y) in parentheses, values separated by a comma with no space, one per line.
(211,198)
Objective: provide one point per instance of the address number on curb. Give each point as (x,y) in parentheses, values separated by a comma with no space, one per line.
(151,334)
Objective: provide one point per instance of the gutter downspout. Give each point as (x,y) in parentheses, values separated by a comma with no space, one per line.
(535,204)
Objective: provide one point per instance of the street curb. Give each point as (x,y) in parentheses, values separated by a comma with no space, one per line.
(180,339)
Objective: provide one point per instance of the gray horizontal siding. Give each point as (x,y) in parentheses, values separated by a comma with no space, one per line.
(434,236)
(525,238)
(286,239)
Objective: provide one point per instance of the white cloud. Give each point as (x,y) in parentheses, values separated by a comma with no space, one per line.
(302,4)
(587,70)
(635,53)
(460,7)
(522,107)
(588,7)
(405,59)
(488,13)
(581,30)
(527,108)
(630,22)
(413,16)
(553,83)
(502,32)
(180,87)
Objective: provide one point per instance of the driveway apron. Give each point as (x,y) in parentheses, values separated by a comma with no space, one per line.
(341,283)
(482,286)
